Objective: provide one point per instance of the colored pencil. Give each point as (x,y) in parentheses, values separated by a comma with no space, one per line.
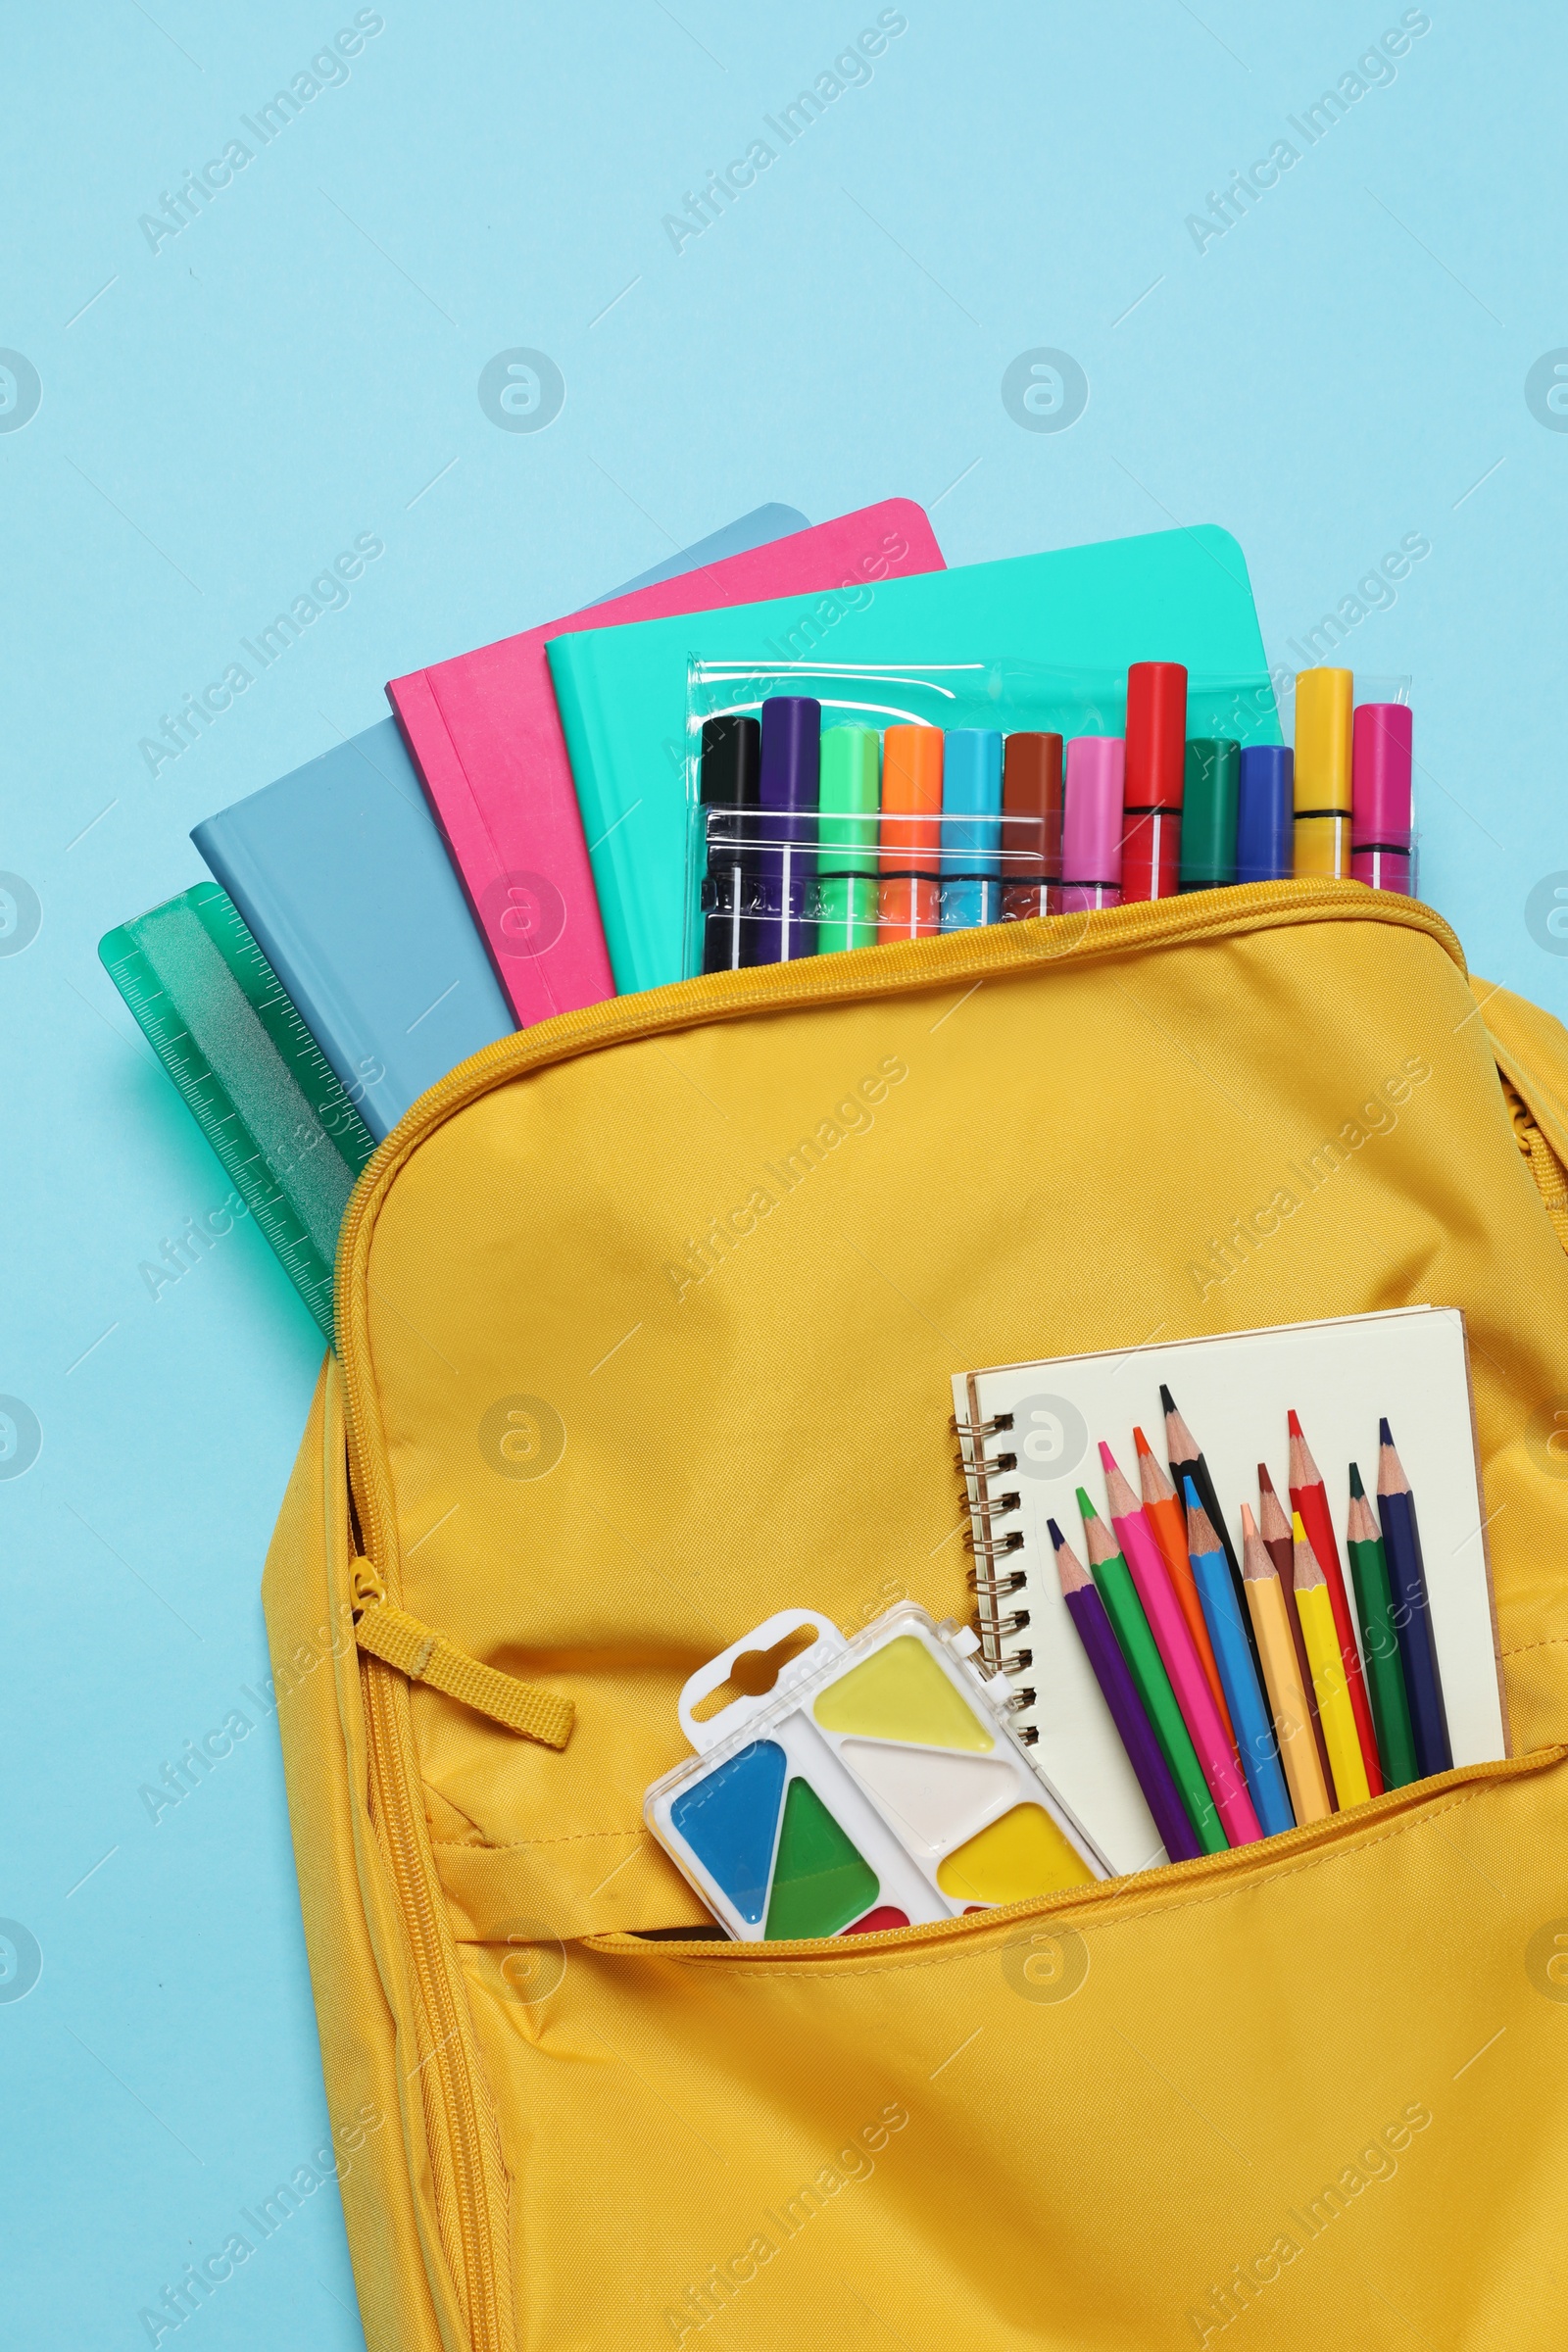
(1327,1661)
(1275,1529)
(1169,1523)
(1265,1781)
(1150,1681)
(1132,1727)
(1310,1497)
(1274,1620)
(1380,1643)
(1186,1460)
(1412,1611)
(1226,1782)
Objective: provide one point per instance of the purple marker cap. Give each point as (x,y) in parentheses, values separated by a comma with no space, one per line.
(792,736)
(1092,827)
(1380,773)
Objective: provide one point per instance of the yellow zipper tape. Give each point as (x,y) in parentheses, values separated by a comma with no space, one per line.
(427,1657)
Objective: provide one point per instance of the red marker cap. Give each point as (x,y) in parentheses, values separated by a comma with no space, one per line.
(1156,733)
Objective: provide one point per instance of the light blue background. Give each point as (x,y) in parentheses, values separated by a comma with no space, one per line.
(1344,367)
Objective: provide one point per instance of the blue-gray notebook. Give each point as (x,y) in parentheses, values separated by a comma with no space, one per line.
(341,874)
(340,871)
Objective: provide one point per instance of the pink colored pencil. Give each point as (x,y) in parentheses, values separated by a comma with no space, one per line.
(1179,1656)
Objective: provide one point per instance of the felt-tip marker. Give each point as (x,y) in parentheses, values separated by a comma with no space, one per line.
(1380,827)
(787,789)
(1156,772)
(728,788)
(1092,823)
(1031,825)
(1323,699)
(1209,815)
(1264,802)
(971,823)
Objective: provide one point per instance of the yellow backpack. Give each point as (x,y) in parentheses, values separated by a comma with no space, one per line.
(646,1323)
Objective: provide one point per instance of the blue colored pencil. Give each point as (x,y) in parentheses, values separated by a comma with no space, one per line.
(1412,1611)
(1254,1729)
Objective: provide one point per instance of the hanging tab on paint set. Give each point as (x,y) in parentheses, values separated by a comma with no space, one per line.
(845,1788)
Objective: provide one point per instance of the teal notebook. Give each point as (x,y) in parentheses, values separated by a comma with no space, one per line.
(1173,596)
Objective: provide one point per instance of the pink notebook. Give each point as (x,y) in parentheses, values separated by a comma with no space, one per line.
(487,743)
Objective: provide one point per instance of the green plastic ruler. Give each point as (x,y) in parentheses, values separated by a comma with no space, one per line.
(257,1082)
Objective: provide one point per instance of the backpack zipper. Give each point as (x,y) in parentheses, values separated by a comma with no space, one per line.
(469,2173)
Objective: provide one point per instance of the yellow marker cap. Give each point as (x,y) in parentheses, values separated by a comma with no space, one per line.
(1323,715)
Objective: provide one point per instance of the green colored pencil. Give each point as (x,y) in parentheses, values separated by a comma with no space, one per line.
(1380,1644)
(848,799)
(1114,1585)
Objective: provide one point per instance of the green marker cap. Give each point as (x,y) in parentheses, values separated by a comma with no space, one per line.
(1208,811)
(850,788)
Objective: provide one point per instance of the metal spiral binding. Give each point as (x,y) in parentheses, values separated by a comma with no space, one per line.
(992,1583)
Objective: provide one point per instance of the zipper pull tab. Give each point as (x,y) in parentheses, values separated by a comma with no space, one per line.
(366,1584)
(425,1655)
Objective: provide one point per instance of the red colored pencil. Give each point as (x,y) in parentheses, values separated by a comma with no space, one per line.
(1308,1496)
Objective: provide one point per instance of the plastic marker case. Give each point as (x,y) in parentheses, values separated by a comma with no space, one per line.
(875,1784)
(843,805)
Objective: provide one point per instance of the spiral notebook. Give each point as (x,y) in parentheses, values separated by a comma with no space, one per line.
(1029,1437)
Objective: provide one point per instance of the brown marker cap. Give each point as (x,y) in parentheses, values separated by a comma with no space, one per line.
(1031,788)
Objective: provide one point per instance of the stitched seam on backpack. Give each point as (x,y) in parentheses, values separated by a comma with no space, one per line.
(523,1846)
(1119,1918)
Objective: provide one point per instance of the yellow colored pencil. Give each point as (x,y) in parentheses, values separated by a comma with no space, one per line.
(1334,1712)
(1287,1696)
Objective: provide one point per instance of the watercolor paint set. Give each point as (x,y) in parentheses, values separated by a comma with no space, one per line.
(849,1786)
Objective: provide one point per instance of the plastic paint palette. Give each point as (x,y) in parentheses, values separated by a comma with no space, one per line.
(876,1784)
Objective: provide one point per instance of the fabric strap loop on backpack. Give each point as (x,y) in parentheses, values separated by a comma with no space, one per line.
(427,1657)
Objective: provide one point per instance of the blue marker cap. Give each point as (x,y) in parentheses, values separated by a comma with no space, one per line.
(972,790)
(1264,813)
(971,771)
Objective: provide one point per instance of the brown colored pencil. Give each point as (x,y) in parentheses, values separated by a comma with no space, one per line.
(1274,1530)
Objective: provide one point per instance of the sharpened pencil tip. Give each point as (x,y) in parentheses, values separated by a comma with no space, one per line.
(1166,1399)
(1248,1522)
(1385,1435)
(1265,1484)
(1140,1441)
(1189,1496)
(1293,1423)
(1057,1538)
(1297,1531)
(1085,1508)
(1107,1460)
(1357,1491)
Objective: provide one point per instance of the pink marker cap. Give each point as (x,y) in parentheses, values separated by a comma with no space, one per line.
(1092,826)
(1380,773)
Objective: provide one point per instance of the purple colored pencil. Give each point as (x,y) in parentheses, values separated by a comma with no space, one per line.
(1132,1727)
